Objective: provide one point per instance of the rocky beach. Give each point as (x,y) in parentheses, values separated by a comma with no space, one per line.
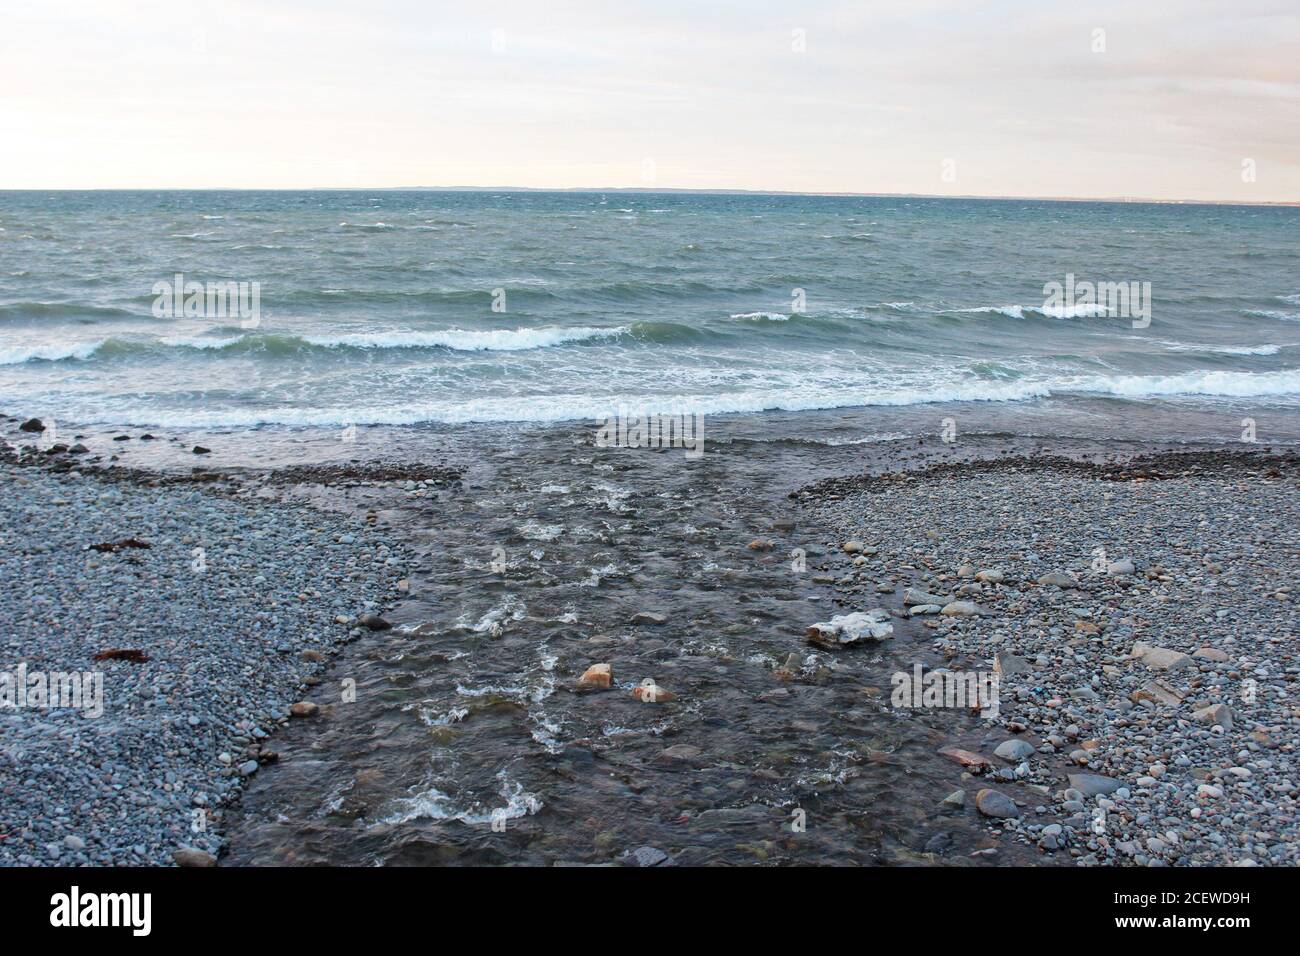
(461,649)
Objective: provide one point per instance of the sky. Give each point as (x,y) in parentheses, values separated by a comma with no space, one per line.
(1162,99)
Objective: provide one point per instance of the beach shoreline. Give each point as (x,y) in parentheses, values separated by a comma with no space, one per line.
(712,551)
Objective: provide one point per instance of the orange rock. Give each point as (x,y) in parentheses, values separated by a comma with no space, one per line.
(597,675)
(651,693)
(965,757)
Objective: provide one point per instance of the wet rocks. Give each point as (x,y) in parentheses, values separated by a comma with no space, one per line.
(852,547)
(648,692)
(645,856)
(597,676)
(649,619)
(962,609)
(34,425)
(966,758)
(915,596)
(374,622)
(304,708)
(992,803)
(846,630)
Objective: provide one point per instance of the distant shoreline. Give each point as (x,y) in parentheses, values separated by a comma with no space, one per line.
(635,190)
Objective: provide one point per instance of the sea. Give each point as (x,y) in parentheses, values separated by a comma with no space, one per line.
(422,307)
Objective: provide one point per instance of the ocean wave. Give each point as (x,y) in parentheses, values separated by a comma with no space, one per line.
(64,310)
(459,340)
(58,352)
(794,397)
(1083,311)
(1224,349)
(1211,383)
(467,340)
(761,316)
(1272,314)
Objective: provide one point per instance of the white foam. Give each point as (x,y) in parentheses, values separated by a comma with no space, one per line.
(466,340)
(18,354)
(1224,349)
(762,316)
(1082,311)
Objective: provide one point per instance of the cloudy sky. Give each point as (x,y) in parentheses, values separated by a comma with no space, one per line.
(1192,99)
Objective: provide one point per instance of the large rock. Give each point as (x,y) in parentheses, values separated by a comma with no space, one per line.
(962,609)
(1158,692)
(966,758)
(597,675)
(1122,566)
(1014,750)
(845,630)
(914,596)
(994,804)
(1219,714)
(189,856)
(1093,784)
(1160,658)
(1059,579)
(1008,665)
(32,425)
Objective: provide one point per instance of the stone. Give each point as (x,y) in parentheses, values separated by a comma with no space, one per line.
(597,675)
(649,618)
(1122,566)
(1058,579)
(966,758)
(32,425)
(1093,784)
(1008,665)
(913,596)
(761,544)
(853,547)
(200,450)
(1014,750)
(189,856)
(922,610)
(962,609)
(991,803)
(1220,714)
(846,630)
(648,692)
(990,577)
(1158,692)
(645,856)
(1160,658)
(304,708)
(1212,654)
(374,622)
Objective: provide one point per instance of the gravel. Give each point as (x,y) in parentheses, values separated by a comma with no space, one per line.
(236,607)
(1144,618)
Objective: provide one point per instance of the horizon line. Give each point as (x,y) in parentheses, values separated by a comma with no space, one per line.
(662,190)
